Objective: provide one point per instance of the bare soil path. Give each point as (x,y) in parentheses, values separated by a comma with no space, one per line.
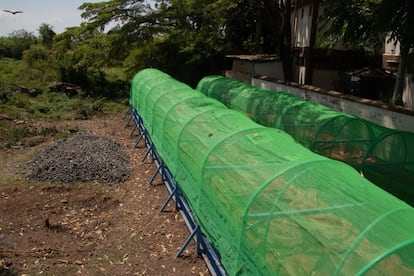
(90,229)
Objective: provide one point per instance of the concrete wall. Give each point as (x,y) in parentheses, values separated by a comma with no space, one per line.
(328,79)
(270,69)
(377,112)
(245,67)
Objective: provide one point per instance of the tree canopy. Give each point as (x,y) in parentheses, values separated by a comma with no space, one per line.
(14,45)
(367,22)
(190,38)
(176,36)
(185,35)
(46,34)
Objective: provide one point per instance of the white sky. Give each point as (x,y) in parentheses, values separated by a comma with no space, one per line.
(59,14)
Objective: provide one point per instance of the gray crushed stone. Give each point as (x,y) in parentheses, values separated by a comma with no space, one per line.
(81,158)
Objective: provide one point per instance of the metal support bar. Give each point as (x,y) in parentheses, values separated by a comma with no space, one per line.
(203,247)
(147,153)
(154,175)
(140,125)
(194,233)
(212,259)
(171,196)
(133,130)
(139,140)
(127,124)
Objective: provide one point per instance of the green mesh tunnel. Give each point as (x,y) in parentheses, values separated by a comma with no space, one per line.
(269,205)
(382,155)
(390,160)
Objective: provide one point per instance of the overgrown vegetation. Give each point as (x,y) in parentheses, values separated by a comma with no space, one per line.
(185,38)
(18,113)
(25,96)
(86,70)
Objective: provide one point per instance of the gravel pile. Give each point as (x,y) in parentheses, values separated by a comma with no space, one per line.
(81,158)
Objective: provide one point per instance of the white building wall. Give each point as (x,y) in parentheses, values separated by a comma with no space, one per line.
(302,24)
(392,48)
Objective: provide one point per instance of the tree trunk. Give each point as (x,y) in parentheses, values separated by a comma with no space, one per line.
(258,34)
(286,42)
(312,40)
(399,82)
(405,44)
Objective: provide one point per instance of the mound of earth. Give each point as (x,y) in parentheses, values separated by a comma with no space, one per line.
(81,158)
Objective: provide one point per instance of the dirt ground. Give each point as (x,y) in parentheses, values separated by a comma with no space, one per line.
(90,229)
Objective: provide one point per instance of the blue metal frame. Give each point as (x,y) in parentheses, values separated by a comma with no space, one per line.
(203,248)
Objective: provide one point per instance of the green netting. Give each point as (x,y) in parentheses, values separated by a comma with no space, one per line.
(382,155)
(390,161)
(269,205)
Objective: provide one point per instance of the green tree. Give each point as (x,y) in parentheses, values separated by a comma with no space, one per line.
(13,45)
(366,22)
(81,56)
(396,17)
(36,54)
(189,35)
(285,38)
(180,34)
(5,47)
(46,34)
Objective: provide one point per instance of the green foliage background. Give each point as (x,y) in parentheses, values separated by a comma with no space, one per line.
(187,39)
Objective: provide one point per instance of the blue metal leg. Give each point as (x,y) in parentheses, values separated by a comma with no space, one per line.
(203,247)
(127,124)
(196,231)
(171,196)
(146,154)
(139,140)
(158,170)
(133,130)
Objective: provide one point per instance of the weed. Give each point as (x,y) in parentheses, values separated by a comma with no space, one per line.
(19,100)
(4,96)
(18,108)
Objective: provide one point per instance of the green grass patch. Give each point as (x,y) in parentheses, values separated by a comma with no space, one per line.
(17,73)
(19,106)
(24,134)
